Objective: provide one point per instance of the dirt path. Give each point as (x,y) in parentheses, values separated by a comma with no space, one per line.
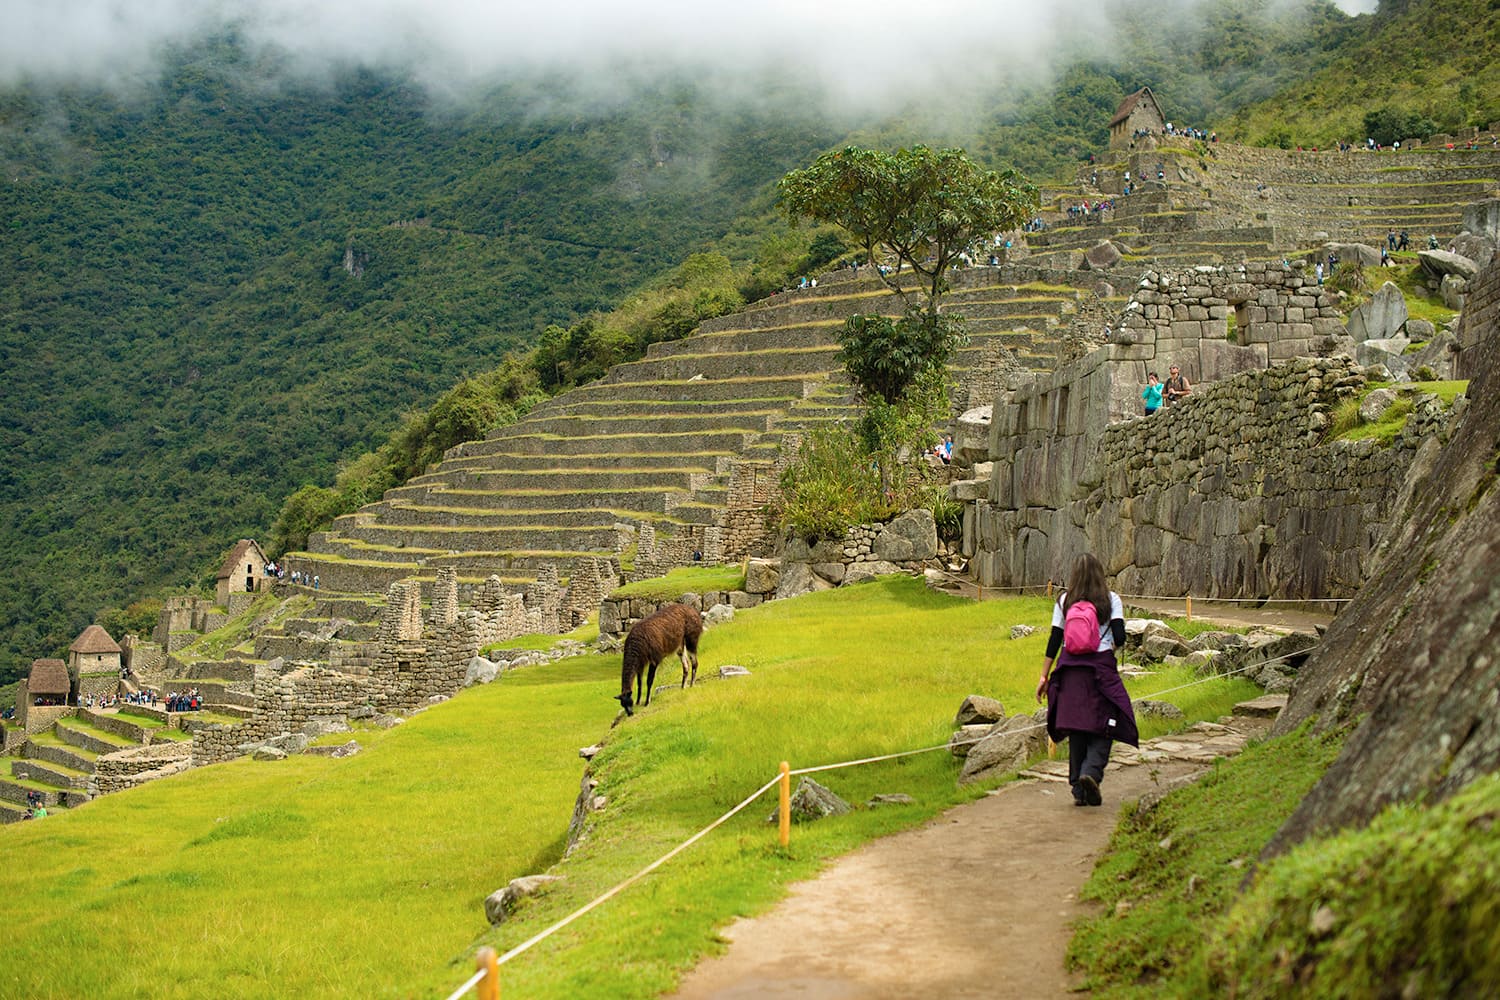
(977,903)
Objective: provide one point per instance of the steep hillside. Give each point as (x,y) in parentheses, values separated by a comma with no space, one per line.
(216,289)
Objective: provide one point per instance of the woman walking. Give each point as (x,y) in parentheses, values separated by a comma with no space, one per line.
(1087,704)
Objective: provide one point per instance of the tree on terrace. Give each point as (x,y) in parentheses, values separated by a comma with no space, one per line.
(916,209)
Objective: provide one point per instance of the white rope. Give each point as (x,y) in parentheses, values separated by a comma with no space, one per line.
(621,887)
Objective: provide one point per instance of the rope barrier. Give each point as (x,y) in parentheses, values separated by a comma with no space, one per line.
(480,976)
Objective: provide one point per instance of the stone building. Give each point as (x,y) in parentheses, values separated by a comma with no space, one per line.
(243,572)
(41,699)
(1139,112)
(93,652)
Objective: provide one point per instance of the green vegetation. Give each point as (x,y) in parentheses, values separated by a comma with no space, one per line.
(1348,425)
(1408,902)
(1421,303)
(299,865)
(685,579)
(1170,873)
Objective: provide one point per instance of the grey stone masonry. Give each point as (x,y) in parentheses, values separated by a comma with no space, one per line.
(1232,493)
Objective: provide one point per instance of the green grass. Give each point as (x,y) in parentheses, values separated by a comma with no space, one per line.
(1347,425)
(365,876)
(1420,303)
(1179,866)
(214,645)
(694,579)
(1412,907)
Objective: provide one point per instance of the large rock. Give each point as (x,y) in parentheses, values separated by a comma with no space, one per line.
(811,801)
(1381,317)
(1348,253)
(1008,747)
(971,440)
(979,709)
(501,903)
(1221,359)
(762,576)
(480,671)
(1436,263)
(1103,256)
(862,572)
(910,537)
(1454,290)
(797,578)
(1376,404)
(1482,218)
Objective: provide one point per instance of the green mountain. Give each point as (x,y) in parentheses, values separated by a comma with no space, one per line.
(214,291)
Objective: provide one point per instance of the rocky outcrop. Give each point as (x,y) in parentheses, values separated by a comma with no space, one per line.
(1413,656)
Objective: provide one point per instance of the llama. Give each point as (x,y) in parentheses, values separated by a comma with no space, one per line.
(673,628)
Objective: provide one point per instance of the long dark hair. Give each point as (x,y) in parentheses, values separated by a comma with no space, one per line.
(1086,583)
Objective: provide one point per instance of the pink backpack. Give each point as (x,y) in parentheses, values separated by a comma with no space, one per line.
(1081,628)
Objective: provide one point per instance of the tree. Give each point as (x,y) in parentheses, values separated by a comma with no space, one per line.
(917,209)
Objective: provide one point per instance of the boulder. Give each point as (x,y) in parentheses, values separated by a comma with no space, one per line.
(718,613)
(1008,747)
(1436,263)
(965,737)
(1377,404)
(797,578)
(289,743)
(1476,248)
(343,750)
(762,576)
(833,572)
(480,671)
(811,801)
(733,670)
(1455,291)
(1216,640)
(1158,709)
(1220,359)
(1350,253)
(502,902)
(268,753)
(971,438)
(891,799)
(1380,318)
(314,728)
(862,572)
(1159,647)
(977,709)
(910,537)
(1021,631)
(1102,257)
(1418,330)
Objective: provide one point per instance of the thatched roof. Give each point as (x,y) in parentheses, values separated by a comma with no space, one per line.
(236,558)
(1129,104)
(94,640)
(48,677)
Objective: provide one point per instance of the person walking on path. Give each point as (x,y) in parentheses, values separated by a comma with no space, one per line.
(1087,704)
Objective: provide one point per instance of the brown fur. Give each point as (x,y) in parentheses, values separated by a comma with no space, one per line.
(673,628)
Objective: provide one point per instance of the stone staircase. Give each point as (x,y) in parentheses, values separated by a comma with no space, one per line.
(654,442)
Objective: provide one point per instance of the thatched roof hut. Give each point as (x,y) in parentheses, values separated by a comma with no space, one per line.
(94,639)
(49,679)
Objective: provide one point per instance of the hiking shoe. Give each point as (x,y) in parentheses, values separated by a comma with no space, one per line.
(1090,789)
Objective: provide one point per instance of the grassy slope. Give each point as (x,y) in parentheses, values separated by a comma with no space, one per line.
(1437,57)
(365,876)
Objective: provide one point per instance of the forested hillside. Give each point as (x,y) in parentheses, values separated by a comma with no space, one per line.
(218,285)
(181,340)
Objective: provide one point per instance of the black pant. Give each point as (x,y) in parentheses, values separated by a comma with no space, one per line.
(1087,754)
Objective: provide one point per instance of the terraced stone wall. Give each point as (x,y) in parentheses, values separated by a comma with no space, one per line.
(1481,315)
(1232,493)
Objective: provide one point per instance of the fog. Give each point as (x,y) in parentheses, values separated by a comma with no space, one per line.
(857,53)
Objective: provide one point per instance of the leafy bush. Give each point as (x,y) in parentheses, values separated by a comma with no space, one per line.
(833,484)
(1389,125)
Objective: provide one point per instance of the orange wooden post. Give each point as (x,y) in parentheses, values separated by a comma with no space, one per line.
(1049,587)
(1189,607)
(786,804)
(489,986)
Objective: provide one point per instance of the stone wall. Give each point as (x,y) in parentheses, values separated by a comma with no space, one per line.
(905,544)
(617,615)
(1480,317)
(1232,493)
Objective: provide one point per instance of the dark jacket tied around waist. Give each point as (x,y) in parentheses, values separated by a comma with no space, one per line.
(1085,695)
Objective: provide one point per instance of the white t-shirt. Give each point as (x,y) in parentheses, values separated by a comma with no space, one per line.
(1106,637)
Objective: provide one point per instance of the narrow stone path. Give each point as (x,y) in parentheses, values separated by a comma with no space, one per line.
(977,903)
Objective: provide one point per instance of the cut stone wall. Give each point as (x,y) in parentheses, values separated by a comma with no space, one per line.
(1232,493)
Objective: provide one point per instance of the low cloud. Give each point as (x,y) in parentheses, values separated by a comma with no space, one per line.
(859,53)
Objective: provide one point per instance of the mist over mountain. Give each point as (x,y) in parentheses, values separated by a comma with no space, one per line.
(184,183)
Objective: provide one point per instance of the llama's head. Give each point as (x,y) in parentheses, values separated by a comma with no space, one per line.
(625,702)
